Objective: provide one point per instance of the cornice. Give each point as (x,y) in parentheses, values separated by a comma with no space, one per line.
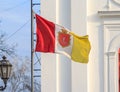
(109,13)
(117,1)
(110,53)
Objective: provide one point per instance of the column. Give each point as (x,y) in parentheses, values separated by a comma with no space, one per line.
(63,17)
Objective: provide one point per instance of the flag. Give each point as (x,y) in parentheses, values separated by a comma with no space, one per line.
(81,48)
(52,38)
(45,31)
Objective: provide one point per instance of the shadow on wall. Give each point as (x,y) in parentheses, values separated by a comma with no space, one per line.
(94,18)
(101,56)
(116,2)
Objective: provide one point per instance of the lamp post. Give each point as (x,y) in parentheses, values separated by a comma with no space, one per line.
(5,71)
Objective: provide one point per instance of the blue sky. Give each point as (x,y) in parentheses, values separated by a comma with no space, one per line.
(13,15)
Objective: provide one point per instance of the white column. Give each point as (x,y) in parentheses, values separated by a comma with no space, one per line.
(79,26)
(48,73)
(63,17)
(63,13)
(63,74)
(56,70)
(48,61)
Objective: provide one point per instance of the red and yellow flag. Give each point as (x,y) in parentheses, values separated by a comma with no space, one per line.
(52,38)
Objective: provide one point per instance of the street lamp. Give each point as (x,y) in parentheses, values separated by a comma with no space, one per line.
(5,71)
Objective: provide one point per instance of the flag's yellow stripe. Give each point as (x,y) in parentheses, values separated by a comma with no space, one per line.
(81,48)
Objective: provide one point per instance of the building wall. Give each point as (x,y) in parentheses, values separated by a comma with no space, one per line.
(59,74)
(102,71)
(94,29)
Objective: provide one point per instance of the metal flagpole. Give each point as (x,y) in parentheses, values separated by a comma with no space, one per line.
(32,51)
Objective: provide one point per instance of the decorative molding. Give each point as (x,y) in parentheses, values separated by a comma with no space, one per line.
(109,13)
(111,27)
(108,38)
(111,32)
(117,1)
(111,53)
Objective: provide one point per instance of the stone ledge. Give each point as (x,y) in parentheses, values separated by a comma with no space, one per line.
(109,13)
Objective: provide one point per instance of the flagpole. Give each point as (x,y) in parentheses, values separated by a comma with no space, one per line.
(32,51)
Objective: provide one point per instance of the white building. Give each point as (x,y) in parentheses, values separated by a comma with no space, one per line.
(100,19)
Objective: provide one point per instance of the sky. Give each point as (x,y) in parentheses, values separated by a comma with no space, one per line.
(15,23)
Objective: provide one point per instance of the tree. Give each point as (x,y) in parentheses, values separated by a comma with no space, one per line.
(5,48)
(20,80)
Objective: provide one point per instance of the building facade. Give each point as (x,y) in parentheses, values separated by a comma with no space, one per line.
(100,19)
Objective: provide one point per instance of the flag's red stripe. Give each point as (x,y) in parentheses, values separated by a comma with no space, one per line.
(45,31)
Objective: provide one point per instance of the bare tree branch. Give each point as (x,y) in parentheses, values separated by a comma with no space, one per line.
(5,48)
